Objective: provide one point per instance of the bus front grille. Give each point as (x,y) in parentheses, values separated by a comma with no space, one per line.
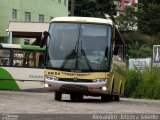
(75,80)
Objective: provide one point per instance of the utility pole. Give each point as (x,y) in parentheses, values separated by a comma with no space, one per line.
(72,7)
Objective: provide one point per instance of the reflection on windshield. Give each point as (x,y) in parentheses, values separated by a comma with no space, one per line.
(72,55)
(79,46)
(87,61)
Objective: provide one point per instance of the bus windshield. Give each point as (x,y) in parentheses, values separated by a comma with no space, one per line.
(78,46)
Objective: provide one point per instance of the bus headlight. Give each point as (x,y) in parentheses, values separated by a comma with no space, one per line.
(46,85)
(51,78)
(98,80)
(104,88)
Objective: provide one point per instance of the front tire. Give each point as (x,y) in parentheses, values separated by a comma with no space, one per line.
(79,97)
(58,96)
(73,97)
(105,98)
(76,97)
(117,97)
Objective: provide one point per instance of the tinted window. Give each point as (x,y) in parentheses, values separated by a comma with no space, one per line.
(5,57)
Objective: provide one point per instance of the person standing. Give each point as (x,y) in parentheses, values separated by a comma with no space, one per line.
(44,39)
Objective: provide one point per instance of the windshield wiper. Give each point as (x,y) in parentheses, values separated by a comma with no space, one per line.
(86,59)
(72,55)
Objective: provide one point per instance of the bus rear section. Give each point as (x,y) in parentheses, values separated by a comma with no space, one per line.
(21,67)
(79,59)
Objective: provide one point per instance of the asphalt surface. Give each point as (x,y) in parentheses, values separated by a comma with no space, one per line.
(41,105)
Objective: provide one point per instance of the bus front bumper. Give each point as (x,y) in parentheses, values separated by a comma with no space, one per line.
(77,87)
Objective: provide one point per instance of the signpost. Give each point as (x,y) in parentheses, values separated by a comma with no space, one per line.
(156,55)
(140,63)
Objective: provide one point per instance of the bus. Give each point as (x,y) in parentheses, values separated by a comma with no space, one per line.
(21,67)
(85,56)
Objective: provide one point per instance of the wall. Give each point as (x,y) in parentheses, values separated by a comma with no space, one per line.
(48,8)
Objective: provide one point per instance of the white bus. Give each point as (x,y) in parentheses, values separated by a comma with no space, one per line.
(21,67)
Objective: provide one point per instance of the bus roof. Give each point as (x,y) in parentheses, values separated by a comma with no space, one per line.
(28,47)
(82,20)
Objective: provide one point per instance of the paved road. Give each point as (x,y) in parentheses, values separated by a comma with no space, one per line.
(44,103)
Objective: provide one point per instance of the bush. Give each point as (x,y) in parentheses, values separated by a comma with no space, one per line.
(144,84)
(133,79)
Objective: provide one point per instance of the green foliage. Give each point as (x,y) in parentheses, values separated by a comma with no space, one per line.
(149,18)
(127,21)
(149,1)
(85,8)
(94,8)
(133,79)
(144,84)
(139,44)
(139,51)
(105,7)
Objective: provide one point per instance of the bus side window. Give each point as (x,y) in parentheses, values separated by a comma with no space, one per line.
(120,51)
(5,61)
(17,58)
(4,57)
(39,59)
(28,60)
(31,58)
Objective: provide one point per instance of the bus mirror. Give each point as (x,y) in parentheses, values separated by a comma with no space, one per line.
(115,52)
(45,34)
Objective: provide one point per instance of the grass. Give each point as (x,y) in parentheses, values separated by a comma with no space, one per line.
(144,84)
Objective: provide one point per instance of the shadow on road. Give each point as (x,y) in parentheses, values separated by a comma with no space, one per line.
(88,101)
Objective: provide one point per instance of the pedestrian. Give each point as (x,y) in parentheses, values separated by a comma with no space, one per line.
(44,39)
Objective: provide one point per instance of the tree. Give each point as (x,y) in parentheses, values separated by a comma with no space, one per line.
(149,1)
(149,18)
(93,8)
(127,21)
(85,8)
(72,7)
(105,7)
(137,50)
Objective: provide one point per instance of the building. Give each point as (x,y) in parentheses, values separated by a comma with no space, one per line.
(31,11)
(120,5)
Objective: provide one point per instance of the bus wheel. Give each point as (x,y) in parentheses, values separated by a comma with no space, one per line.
(73,97)
(117,97)
(105,98)
(79,97)
(58,96)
